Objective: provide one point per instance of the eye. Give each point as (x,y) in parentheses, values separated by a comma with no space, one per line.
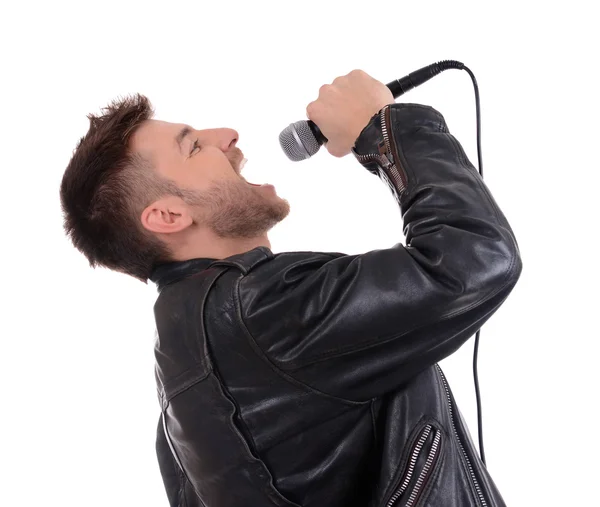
(195,146)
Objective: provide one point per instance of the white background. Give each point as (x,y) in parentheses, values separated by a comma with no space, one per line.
(79,409)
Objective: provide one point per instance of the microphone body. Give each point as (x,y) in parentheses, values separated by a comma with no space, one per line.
(302,139)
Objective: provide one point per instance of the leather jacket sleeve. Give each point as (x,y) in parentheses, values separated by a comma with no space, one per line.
(359,326)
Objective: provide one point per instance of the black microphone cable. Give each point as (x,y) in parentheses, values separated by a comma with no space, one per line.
(401,86)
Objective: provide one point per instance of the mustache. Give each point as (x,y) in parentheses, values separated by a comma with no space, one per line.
(235,158)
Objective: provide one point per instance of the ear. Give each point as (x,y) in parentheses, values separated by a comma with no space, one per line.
(166,216)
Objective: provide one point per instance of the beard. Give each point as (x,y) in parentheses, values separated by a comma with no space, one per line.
(234,209)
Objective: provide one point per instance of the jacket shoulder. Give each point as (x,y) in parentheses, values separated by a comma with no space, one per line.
(273,280)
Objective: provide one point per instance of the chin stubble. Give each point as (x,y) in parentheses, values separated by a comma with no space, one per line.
(238,210)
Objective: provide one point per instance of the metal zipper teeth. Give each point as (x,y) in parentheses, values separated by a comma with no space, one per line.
(411,465)
(421,480)
(464,453)
(386,162)
(388,145)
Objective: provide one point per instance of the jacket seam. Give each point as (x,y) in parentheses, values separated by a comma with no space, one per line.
(452,437)
(185,386)
(283,374)
(373,422)
(182,496)
(473,173)
(462,158)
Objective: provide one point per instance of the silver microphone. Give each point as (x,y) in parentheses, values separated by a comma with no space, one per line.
(299,140)
(302,139)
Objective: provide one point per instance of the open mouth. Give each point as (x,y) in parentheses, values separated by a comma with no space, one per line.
(241,166)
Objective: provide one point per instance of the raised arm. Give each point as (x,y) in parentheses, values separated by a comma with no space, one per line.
(358,326)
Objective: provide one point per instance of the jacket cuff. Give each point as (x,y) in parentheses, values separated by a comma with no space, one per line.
(405,117)
(370,137)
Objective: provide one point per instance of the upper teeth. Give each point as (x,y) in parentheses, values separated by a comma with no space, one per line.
(243,163)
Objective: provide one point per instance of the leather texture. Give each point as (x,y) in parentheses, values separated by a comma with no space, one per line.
(311,378)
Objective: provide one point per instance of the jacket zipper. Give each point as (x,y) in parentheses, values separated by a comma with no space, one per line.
(422,480)
(386,160)
(482,500)
(412,461)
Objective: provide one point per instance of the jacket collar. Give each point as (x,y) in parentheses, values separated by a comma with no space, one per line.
(168,272)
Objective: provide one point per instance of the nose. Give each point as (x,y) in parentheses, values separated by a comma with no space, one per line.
(228,138)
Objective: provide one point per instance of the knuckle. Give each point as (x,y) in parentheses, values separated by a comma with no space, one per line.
(323,89)
(334,151)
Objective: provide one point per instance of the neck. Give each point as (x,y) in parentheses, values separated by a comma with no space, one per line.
(212,247)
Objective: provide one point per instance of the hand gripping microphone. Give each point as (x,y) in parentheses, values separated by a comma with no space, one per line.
(302,139)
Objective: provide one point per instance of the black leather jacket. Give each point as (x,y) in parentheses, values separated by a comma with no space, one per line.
(311,379)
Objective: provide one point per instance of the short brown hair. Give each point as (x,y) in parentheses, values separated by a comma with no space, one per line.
(105,188)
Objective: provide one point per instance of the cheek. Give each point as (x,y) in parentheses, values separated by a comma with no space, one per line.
(205,176)
(218,169)
(224,179)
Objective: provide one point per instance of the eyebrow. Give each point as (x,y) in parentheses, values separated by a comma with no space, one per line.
(182,133)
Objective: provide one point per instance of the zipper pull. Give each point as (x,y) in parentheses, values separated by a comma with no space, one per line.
(382,149)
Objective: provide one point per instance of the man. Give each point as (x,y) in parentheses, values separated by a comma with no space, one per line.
(300,378)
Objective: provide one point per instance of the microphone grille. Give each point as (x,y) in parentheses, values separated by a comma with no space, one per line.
(298,141)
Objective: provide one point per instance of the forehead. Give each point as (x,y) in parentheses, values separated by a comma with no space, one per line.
(156,135)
